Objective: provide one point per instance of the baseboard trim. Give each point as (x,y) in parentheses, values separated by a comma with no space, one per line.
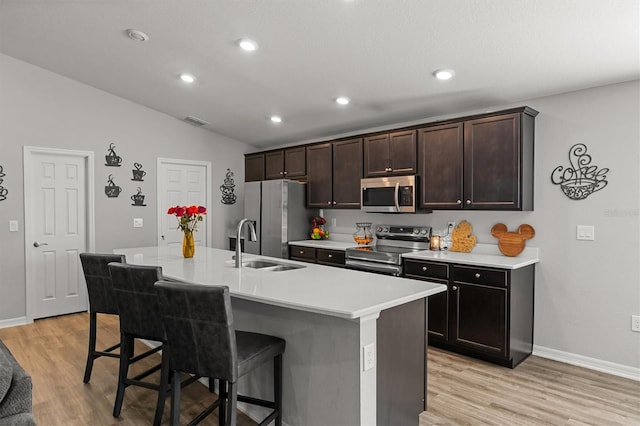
(12,322)
(620,370)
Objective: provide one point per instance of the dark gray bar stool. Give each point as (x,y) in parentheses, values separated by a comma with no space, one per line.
(202,340)
(102,300)
(140,319)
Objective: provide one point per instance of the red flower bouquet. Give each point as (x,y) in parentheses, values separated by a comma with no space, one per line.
(188,217)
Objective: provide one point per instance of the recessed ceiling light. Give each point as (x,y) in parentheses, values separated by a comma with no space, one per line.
(443,74)
(137,35)
(342,100)
(247,44)
(275,119)
(187,78)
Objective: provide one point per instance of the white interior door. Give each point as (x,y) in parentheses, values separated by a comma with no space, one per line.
(58,227)
(182,183)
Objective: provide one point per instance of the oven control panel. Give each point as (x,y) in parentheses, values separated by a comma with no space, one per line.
(406,233)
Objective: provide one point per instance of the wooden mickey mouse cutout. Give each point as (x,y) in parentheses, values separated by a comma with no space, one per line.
(512,243)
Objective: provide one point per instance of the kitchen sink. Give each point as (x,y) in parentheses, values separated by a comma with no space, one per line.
(259,264)
(285,268)
(271,266)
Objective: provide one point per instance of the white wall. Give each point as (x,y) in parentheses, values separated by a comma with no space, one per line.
(585,291)
(40,108)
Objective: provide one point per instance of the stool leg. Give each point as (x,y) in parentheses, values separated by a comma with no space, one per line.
(164,386)
(126,352)
(92,346)
(232,397)
(277,388)
(222,396)
(175,399)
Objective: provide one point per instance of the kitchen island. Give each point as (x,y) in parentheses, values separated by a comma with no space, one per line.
(356,342)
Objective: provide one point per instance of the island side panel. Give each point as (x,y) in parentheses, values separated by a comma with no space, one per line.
(402,363)
(321,365)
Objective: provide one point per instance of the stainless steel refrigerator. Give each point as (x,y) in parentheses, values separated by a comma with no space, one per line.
(278,208)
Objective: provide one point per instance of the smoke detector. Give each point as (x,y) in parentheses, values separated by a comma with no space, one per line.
(137,35)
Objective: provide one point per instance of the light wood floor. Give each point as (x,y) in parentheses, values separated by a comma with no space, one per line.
(462,391)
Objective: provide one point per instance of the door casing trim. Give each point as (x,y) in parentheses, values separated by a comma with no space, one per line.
(90,218)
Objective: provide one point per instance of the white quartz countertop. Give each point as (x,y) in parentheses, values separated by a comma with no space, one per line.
(481,255)
(314,288)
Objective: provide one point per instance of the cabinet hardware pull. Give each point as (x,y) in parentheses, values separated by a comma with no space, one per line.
(468,202)
(424,268)
(330,256)
(281,173)
(477,275)
(334,203)
(454,288)
(301,252)
(459,202)
(284,173)
(329,203)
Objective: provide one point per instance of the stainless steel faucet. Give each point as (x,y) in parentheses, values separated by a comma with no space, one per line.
(252,237)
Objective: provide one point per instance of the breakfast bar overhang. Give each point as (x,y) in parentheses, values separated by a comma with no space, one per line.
(356,342)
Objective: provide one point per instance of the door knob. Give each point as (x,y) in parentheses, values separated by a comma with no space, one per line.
(37,244)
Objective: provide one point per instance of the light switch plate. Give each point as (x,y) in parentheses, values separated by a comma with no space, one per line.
(137,222)
(585,233)
(13,226)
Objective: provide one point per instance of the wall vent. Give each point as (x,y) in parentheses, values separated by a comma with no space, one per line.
(195,121)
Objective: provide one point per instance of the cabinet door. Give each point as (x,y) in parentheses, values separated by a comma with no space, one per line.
(319,182)
(492,163)
(295,162)
(402,152)
(347,172)
(253,167)
(479,318)
(440,156)
(274,164)
(376,155)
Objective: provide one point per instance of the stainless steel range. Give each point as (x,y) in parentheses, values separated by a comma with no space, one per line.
(386,255)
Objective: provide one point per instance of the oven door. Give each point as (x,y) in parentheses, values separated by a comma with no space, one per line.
(381,268)
(388,194)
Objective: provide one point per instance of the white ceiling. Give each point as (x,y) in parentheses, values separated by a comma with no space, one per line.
(380,53)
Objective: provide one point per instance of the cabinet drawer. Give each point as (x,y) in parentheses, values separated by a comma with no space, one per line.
(426,269)
(333,257)
(473,275)
(300,252)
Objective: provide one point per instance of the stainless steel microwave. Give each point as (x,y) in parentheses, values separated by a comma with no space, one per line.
(394,194)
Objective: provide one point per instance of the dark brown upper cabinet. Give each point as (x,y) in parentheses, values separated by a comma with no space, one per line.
(253,167)
(334,170)
(389,154)
(285,163)
(440,158)
(483,163)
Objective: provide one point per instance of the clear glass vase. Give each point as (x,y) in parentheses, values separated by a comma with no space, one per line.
(363,235)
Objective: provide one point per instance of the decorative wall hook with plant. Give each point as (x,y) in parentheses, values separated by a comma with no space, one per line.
(581,179)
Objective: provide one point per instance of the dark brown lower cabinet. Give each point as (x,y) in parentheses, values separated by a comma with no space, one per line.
(317,255)
(486,313)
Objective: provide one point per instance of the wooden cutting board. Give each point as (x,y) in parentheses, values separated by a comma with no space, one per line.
(512,243)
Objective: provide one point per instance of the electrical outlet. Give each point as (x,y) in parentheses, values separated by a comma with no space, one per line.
(368,357)
(137,222)
(635,323)
(334,222)
(13,226)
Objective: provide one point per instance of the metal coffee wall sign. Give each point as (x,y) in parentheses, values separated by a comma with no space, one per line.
(581,178)
(3,190)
